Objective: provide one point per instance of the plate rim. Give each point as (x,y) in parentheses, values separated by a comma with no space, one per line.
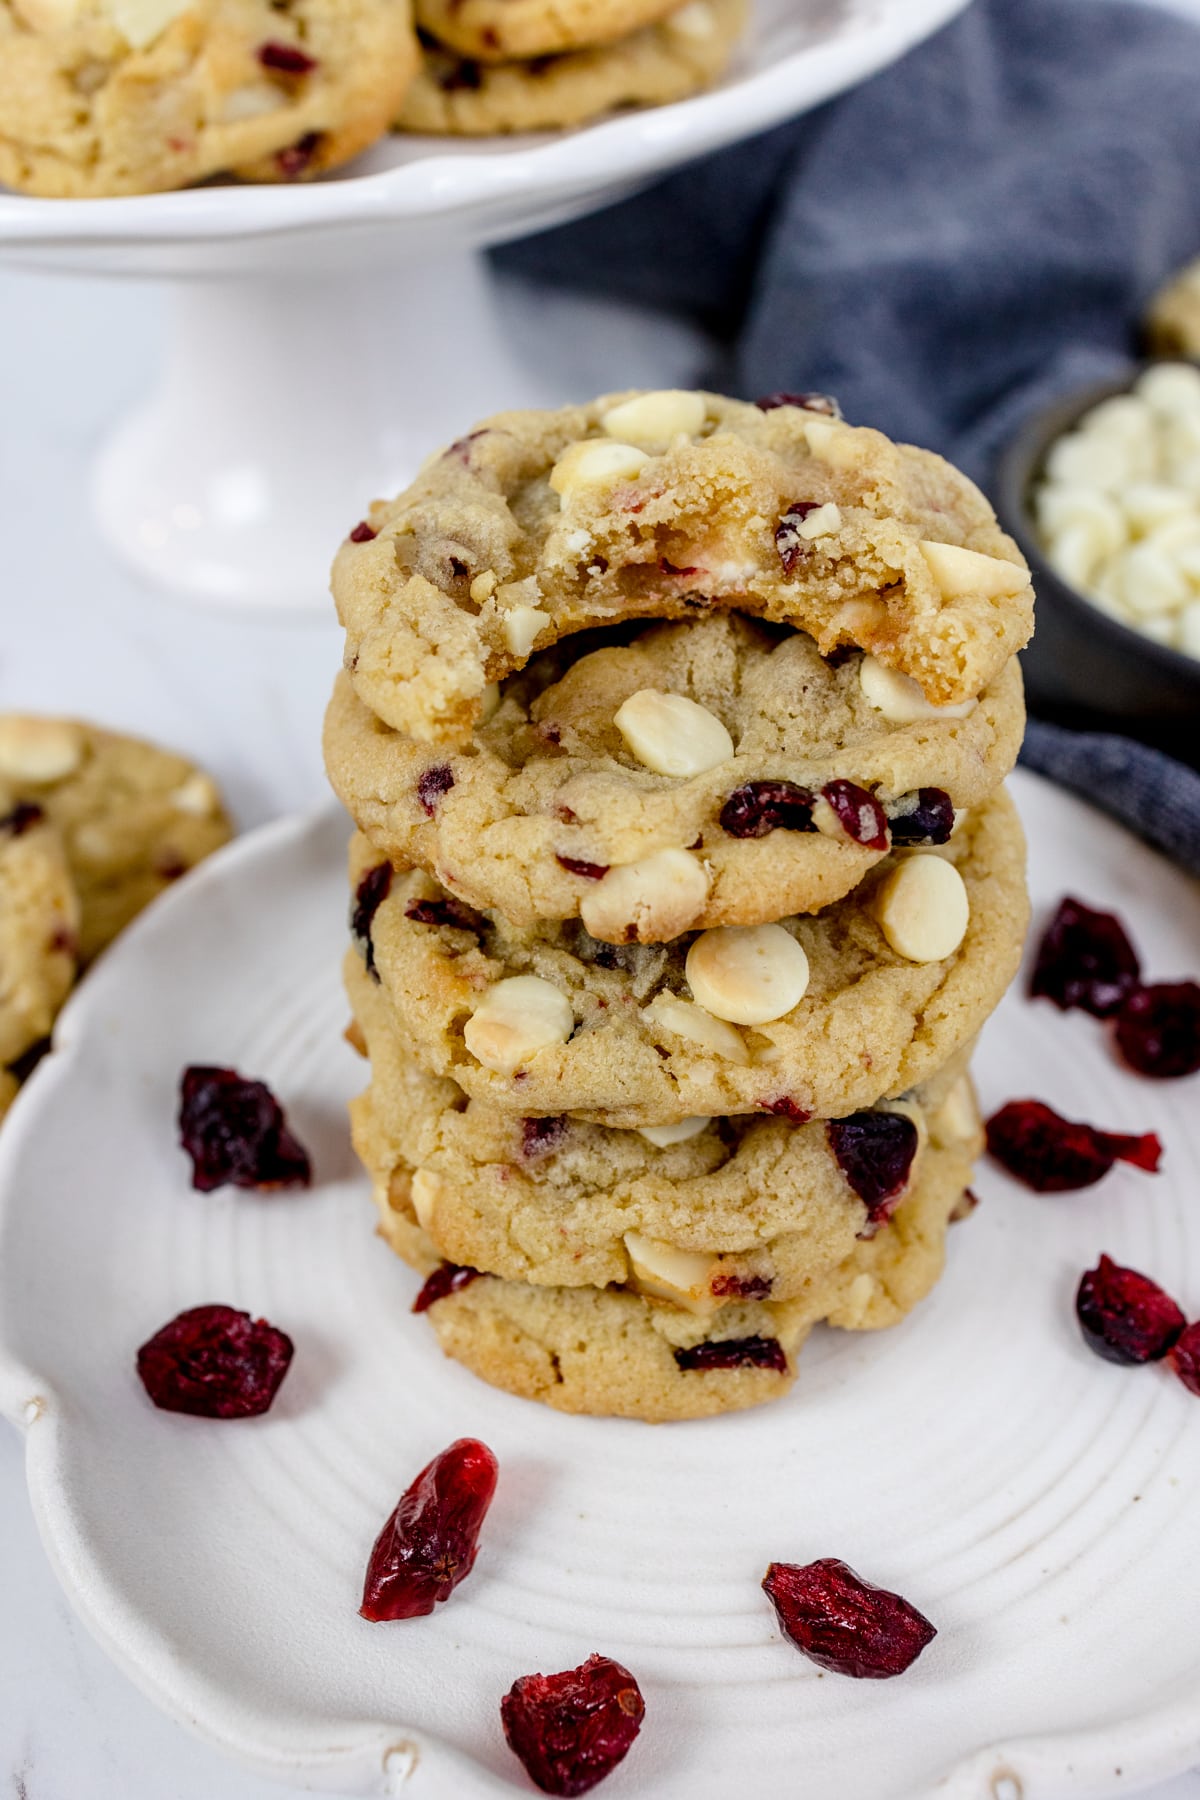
(1155,1744)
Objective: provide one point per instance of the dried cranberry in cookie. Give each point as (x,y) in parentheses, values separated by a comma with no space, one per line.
(797,518)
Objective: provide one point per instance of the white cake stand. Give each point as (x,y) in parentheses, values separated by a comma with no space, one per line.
(324,337)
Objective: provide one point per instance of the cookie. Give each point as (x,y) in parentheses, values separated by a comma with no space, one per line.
(739,1206)
(133,818)
(592,765)
(9,1089)
(134,96)
(39,926)
(683,54)
(818,1015)
(1173,319)
(500,30)
(540,524)
(610,1351)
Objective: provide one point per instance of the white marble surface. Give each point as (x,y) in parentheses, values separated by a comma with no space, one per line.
(78,635)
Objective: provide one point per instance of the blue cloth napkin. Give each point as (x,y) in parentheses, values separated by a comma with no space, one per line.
(948,248)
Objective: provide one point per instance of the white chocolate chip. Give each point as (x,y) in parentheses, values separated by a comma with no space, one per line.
(651,421)
(1189,629)
(198,797)
(696,21)
(254,101)
(649,901)
(679,1133)
(1094,460)
(1170,388)
(1148,504)
(957,1118)
(521,628)
(515,1019)
(957,572)
(141,21)
(819,522)
(1074,554)
(747,974)
(671,734)
(899,698)
(484,586)
(922,909)
(38,750)
(680,1018)
(489,702)
(596,462)
(425,1191)
(1151,582)
(1061,507)
(665,1272)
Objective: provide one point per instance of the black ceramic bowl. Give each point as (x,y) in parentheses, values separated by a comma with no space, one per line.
(1085,668)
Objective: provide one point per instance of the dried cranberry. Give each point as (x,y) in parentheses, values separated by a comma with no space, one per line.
(793,547)
(844,1623)
(1053,1155)
(542,1137)
(215,1362)
(295,159)
(432,783)
(734,1353)
(588,870)
(740,1287)
(925,816)
(370,894)
(762,806)
(1125,1317)
(571,1730)
(286,58)
(786,1108)
(447,1278)
(858,813)
(363,533)
(1184,1357)
(875,1152)
(448,913)
(466,76)
(670,568)
(235,1133)
(23,817)
(431,1540)
(1158,1029)
(1085,959)
(814,403)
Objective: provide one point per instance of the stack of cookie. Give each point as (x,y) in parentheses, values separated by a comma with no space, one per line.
(674,730)
(93,826)
(494,66)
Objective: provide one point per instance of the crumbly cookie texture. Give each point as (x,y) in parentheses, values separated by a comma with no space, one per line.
(498,30)
(549,795)
(738,1207)
(682,54)
(610,1351)
(547,1019)
(132,818)
(133,96)
(540,524)
(39,929)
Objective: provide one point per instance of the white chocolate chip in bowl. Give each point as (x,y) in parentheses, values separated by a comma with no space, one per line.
(671,734)
(747,974)
(515,1019)
(652,421)
(923,909)
(649,901)
(899,698)
(596,463)
(683,1130)
(957,572)
(39,750)
(683,1019)
(663,1271)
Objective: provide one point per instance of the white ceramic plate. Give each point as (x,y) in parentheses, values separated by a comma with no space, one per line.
(1039,1504)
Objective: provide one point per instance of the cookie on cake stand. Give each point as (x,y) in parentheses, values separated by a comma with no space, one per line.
(321,333)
